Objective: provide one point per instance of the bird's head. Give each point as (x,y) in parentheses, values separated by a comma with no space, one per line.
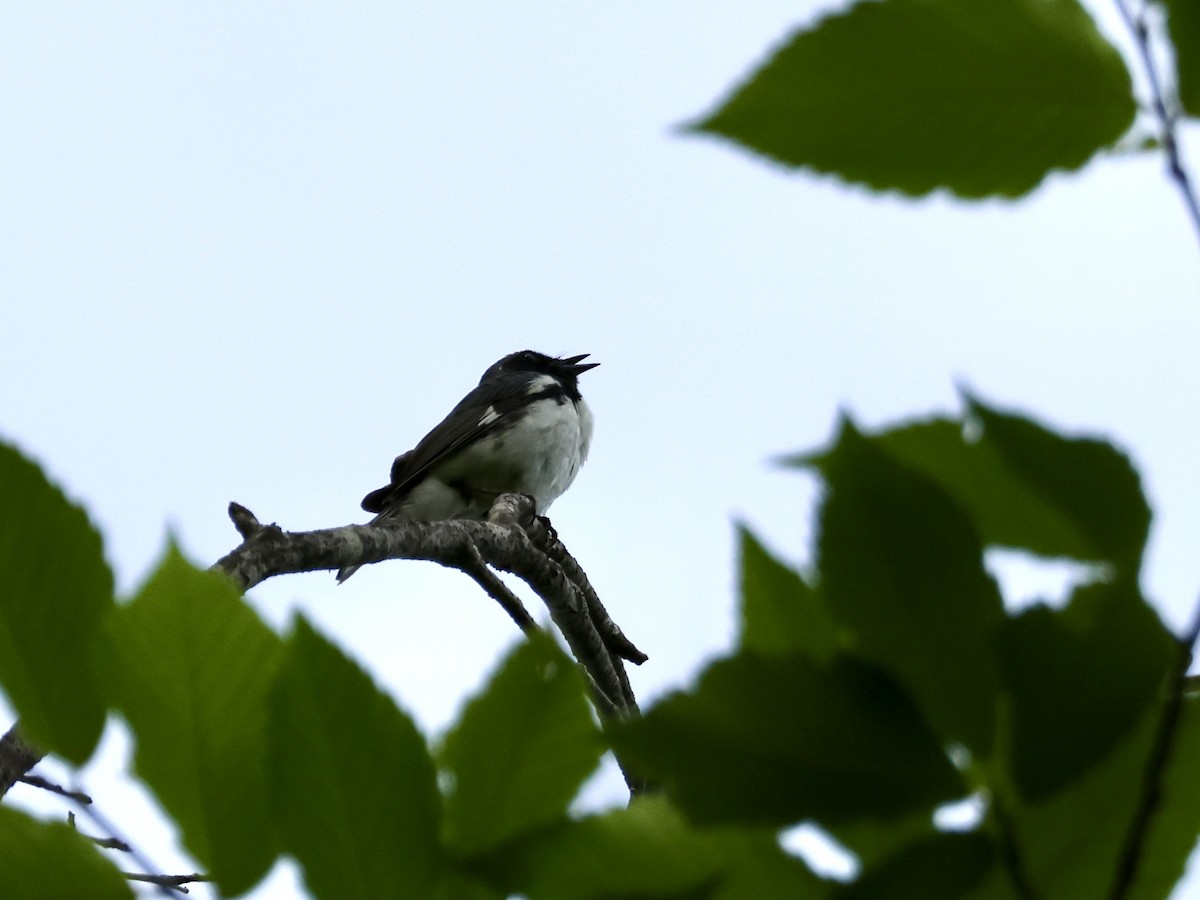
(566,368)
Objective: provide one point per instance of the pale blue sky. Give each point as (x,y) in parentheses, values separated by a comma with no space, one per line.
(253,251)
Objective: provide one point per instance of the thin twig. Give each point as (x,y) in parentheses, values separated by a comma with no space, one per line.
(1150,798)
(546,538)
(108,843)
(100,821)
(38,781)
(1166,118)
(475,566)
(166,882)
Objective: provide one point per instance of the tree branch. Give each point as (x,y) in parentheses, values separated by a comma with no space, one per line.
(1150,798)
(38,781)
(513,539)
(17,756)
(169,882)
(164,883)
(1176,170)
(474,566)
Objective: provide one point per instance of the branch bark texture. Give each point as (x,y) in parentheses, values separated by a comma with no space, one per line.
(513,539)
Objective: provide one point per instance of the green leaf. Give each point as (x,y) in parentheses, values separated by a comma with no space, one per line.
(1025,486)
(1176,823)
(1078,680)
(46,860)
(983,97)
(774,740)
(1183,23)
(872,840)
(456,885)
(1006,510)
(55,589)
(520,750)
(942,866)
(780,612)
(759,868)
(351,782)
(1070,841)
(646,850)
(996,884)
(190,665)
(902,572)
(1088,481)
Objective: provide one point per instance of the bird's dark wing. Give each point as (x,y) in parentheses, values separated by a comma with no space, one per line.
(492,405)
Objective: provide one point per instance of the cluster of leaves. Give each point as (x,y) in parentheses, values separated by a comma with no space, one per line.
(256,744)
(887,683)
(980,97)
(893,679)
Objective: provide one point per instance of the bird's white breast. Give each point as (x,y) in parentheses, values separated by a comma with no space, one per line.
(539,454)
(550,445)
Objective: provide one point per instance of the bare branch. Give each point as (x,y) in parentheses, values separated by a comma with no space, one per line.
(38,781)
(513,539)
(108,843)
(542,533)
(171,882)
(474,566)
(1176,170)
(165,883)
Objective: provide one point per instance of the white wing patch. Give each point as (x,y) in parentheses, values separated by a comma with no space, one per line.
(489,417)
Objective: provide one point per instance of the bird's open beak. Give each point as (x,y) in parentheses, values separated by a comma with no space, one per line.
(573,365)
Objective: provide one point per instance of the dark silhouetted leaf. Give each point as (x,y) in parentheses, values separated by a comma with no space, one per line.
(775,740)
(902,571)
(648,850)
(520,750)
(872,841)
(1183,22)
(1006,510)
(55,589)
(1089,482)
(780,612)
(1078,680)
(983,97)
(1176,822)
(1024,486)
(1069,842)
(943,866)
(761,869)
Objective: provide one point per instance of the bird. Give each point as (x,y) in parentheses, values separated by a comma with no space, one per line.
(523,429)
